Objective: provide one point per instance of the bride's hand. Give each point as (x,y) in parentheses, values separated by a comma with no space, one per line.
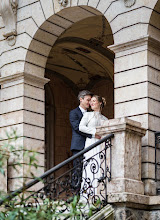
(97,136)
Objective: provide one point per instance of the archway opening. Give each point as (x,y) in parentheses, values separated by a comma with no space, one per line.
(78,60)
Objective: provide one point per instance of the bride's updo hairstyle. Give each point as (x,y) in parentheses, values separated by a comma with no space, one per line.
(101,100)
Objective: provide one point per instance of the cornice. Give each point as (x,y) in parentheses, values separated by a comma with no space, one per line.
(120,125)
(24,76)
(146,40)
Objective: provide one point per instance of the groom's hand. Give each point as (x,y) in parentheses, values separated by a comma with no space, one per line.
(97,136)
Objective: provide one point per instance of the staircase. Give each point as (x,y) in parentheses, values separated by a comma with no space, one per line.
(91,190)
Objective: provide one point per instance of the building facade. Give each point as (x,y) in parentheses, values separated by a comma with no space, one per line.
(52,49)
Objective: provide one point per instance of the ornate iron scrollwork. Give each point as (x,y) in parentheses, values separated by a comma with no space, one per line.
(8,10)
(87,179)
(63,2)
(129,3)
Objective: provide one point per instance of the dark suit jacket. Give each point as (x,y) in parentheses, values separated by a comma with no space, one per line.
(78,137)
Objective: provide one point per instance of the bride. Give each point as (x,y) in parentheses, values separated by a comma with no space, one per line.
(91,169)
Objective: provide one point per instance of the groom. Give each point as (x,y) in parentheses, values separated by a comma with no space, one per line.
(78,137)
(75,116)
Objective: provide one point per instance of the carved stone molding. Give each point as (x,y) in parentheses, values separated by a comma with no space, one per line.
(143,41)
(63,2)
(8,10)
(129,3)
(25,77)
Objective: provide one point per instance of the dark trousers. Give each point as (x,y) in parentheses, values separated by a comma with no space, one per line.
(77,171)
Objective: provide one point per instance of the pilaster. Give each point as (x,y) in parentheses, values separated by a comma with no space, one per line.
(136,90)
(22,107)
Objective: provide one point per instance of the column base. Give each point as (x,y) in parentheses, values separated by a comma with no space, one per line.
(134,206)
(123,185)
(150,187)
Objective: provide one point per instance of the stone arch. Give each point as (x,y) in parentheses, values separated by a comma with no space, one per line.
(36,58)
(31,50)
(154,25)
(54,19)
(49,31)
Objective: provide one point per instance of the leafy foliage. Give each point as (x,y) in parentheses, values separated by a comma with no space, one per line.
(49,210)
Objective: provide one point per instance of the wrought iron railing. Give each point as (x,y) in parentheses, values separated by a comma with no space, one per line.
(88,178)
(157,161)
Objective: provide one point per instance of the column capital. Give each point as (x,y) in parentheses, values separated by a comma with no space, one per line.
(24,77)
(121,125)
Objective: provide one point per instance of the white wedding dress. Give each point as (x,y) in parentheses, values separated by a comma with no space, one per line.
(91,170)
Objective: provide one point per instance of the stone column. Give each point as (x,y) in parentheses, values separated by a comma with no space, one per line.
(22,107)
(137,95)
(125,155)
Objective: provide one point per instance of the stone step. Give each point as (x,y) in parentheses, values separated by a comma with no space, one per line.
(106,213)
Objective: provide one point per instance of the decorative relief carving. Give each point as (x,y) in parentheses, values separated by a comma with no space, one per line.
(63,2)
(8,10)
(129,3)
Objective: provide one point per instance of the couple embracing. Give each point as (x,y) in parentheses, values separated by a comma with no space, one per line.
(84,123)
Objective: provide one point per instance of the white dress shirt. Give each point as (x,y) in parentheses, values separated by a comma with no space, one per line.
(82,110)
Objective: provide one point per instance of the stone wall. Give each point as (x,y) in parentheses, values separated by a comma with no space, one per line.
(132,214)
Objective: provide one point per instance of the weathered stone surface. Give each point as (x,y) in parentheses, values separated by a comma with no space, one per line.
(127,213)
(8,12)
(131,77)
(13,56)
(11,105)
(82,2)
(131,61)
(131,92)
(135,107)
(23,3)
(47,6)
(126,155)
(148,154)
(150,187)
(75,14)
(131,33)
(34,70)
(60,20)
(26,92)
(28,25)
(93,3)
(105,213)
(124,21)
(32,10)
(127,198)
(154,32)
